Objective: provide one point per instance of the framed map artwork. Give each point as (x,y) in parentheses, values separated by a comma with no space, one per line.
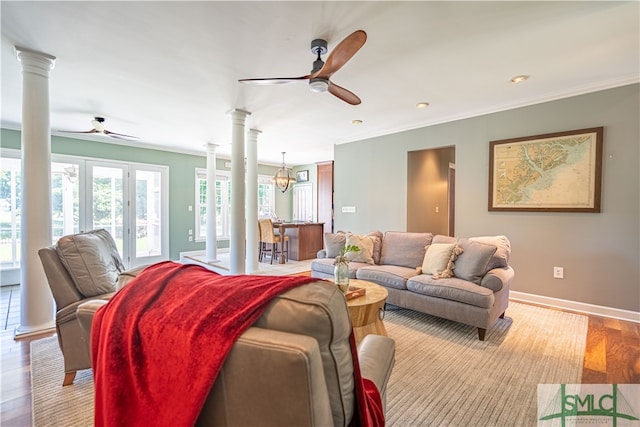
(556,172)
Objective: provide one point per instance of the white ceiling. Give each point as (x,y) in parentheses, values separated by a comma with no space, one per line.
(168,72)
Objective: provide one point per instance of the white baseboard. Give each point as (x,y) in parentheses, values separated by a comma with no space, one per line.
(581,307)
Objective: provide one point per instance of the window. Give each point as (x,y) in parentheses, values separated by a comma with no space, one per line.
(88,194)
(10,174)
(266,202)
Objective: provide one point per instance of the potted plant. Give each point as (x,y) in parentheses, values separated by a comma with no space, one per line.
(341,269)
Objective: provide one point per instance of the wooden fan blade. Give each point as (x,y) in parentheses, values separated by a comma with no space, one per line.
(274,81)
(119,135)
(342,53)
(344,94)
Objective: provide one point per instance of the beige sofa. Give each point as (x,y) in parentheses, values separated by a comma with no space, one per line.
(477,293)
(294,366)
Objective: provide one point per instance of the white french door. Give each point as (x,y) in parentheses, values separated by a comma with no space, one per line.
(128,201)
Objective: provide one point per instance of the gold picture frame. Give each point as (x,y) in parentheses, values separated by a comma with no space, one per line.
(555,172)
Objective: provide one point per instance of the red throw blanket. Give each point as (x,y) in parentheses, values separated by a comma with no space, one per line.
(160,342)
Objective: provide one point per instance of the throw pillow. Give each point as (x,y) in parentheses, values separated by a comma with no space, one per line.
(500,259)
(333,243)
(448,271)
(439,259)
(365,243)
(472,263)
(377,245)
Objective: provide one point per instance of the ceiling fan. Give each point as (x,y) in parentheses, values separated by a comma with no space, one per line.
(323,70)
(98,127)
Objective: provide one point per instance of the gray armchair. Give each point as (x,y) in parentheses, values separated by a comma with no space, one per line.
(293,367)
(79,268)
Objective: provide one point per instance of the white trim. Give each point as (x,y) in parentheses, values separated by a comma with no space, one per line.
(581,307)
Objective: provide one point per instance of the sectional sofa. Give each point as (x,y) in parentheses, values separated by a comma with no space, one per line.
(466,280)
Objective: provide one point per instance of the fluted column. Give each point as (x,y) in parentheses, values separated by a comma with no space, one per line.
(237,249)
(252,200)
(36,303)
(211,244)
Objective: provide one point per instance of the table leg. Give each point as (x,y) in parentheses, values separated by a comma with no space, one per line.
(281,230)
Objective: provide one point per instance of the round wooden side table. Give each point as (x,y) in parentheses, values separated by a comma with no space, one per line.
(366,312)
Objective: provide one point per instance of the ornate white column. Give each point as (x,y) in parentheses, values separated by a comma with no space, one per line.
(252,200)
(237,249)
(211,244)
(36,303)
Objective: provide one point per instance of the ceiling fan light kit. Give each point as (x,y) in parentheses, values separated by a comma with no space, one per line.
(323,70)
(319,85)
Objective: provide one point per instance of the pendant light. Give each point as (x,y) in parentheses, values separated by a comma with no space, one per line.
(283,177)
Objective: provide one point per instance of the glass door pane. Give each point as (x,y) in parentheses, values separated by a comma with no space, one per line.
(10,212)
(108,202)
(148,239)
(65,199)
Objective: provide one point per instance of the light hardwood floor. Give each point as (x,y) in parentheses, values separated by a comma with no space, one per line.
(612,356)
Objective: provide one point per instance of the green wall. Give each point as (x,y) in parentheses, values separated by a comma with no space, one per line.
(181,178)
(600,252)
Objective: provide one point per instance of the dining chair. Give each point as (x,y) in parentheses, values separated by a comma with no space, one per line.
(272,243)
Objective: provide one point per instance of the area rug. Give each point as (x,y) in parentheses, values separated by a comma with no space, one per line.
(54,405)
(443,375)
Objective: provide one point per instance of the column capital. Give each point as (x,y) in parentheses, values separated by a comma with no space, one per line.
(35,62)
(211,147)
(252,135)
(238,115)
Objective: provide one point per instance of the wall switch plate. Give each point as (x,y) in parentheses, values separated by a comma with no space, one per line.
(558,273)
(348,209)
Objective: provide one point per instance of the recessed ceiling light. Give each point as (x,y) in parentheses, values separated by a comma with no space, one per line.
(520,78)
(356,122)
(422,105)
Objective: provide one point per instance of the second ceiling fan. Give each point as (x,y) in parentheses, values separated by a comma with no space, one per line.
(323,70)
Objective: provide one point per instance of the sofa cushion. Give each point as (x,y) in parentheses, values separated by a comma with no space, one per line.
(92,261)
(452,289)
(472,263)
(404,249)
(391,276)
(333,243)
(325,265)
(500,258)
(365,243)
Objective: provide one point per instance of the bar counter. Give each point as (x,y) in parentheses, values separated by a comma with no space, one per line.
(305,239)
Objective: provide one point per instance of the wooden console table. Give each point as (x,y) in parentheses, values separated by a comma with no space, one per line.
(305,239)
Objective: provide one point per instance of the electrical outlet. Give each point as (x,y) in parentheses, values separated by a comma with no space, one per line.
(191,238)
(558,273)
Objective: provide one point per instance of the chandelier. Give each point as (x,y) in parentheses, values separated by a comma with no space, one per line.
(283,177)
